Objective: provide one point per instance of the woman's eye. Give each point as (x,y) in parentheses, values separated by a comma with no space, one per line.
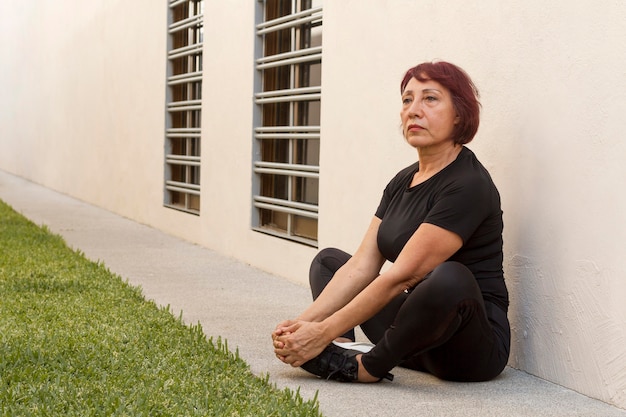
(430,99)
(406,100)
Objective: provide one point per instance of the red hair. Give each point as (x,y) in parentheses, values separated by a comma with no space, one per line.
(463,91)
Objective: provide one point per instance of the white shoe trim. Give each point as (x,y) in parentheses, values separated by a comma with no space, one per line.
(360,346)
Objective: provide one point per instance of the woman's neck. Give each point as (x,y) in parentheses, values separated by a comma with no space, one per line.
(431,162)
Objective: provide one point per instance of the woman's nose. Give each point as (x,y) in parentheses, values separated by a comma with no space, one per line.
(416,109)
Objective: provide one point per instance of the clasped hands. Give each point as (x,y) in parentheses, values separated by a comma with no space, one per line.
(296,342)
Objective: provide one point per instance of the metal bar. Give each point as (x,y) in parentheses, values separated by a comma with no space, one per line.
(171,187)
(287,135)
(175,160)
(184,103)
(186,185)
(289,210)
(280,165)
(185,51)
(291,173)
(285,203)
(186,23)
(192,158)
(268,129)
(184,130)
(298,60)
(305,97)
(292,54)
(289,92)
(292,21)
(289,17)
(174,3)
(183,133)
(185,78)
(181,108)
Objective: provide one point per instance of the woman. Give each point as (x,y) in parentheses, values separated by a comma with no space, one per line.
(442,306)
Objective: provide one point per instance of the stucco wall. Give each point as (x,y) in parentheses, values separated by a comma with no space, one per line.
(553,84)
(82,111)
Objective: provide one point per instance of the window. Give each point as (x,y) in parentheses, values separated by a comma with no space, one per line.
(184,98)
(287,126)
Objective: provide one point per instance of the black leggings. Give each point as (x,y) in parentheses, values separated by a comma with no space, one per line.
(443,326)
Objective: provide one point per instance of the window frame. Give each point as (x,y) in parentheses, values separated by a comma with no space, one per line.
(183,132)
(299,176)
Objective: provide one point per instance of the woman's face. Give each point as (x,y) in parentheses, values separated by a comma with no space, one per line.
(428,115)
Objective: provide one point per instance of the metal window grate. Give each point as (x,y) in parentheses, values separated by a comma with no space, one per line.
(184,106)
(287,129)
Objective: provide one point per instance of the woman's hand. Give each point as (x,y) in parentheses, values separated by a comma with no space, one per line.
(281,328)
(296,342)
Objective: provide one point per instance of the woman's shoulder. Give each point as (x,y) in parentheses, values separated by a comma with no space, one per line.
(472,177)
(470,168)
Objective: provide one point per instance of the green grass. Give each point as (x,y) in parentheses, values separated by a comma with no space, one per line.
(76,340)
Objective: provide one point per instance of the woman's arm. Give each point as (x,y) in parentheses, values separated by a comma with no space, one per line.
(347,282)
(428,247)
(350,279)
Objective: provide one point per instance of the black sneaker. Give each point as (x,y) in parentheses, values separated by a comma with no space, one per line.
(336,363)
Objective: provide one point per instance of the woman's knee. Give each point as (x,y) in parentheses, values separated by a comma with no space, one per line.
(324,266)
(451,278)
(330,259)
(327,253)
(452,270)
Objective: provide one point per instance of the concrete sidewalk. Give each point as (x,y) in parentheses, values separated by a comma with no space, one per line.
(243,304)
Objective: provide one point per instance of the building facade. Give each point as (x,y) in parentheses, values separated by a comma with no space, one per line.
(268,129)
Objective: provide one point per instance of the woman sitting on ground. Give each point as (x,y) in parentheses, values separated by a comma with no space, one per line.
(442,306)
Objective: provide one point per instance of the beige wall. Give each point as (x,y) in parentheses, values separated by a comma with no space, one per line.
(82,111)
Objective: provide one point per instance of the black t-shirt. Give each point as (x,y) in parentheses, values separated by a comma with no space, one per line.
(461,198)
